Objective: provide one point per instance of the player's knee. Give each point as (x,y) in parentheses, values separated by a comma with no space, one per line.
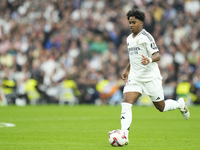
(160,109)
(126,101)
(160,105)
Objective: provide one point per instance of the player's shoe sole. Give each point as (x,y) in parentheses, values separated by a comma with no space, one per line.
(184,110)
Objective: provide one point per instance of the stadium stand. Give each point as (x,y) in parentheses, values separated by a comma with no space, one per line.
(85,40)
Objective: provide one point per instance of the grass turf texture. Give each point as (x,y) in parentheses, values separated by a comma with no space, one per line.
(85,127)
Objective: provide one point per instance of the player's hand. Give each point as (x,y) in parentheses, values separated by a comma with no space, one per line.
(125,76)
(145,60)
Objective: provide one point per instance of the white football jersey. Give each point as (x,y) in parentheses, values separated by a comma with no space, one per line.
(142,44)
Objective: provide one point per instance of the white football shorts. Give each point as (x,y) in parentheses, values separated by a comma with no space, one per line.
(152,88)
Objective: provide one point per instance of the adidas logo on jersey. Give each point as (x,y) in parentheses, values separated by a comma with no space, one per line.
(158,98)
(122,117)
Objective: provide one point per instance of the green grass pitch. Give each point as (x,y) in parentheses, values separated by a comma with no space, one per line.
(85,127)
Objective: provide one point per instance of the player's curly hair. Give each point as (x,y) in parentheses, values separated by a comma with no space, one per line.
(137,14)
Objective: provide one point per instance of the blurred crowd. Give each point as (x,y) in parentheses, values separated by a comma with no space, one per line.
(57,51)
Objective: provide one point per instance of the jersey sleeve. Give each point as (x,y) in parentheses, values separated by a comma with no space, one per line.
(148,40)
(151,46)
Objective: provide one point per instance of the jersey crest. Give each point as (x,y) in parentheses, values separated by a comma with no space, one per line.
(137,41)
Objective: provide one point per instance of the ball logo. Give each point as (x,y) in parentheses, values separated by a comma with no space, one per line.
(117,138)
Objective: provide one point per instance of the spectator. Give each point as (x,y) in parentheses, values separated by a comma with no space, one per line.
(85,38)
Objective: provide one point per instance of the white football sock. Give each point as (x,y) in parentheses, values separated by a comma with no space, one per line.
(126,117)
(171,105)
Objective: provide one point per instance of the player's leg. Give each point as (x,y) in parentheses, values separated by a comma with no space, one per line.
(126,112)
(170,104)
(155,90)
(166,105)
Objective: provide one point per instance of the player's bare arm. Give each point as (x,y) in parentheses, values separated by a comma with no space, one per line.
(146,60)
(126,72)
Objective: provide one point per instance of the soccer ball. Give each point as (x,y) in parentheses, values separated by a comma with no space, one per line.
(117,138)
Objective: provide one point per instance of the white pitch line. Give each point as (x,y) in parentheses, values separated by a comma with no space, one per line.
(4,124)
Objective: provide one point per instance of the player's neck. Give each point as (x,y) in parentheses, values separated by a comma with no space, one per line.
(135,34)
